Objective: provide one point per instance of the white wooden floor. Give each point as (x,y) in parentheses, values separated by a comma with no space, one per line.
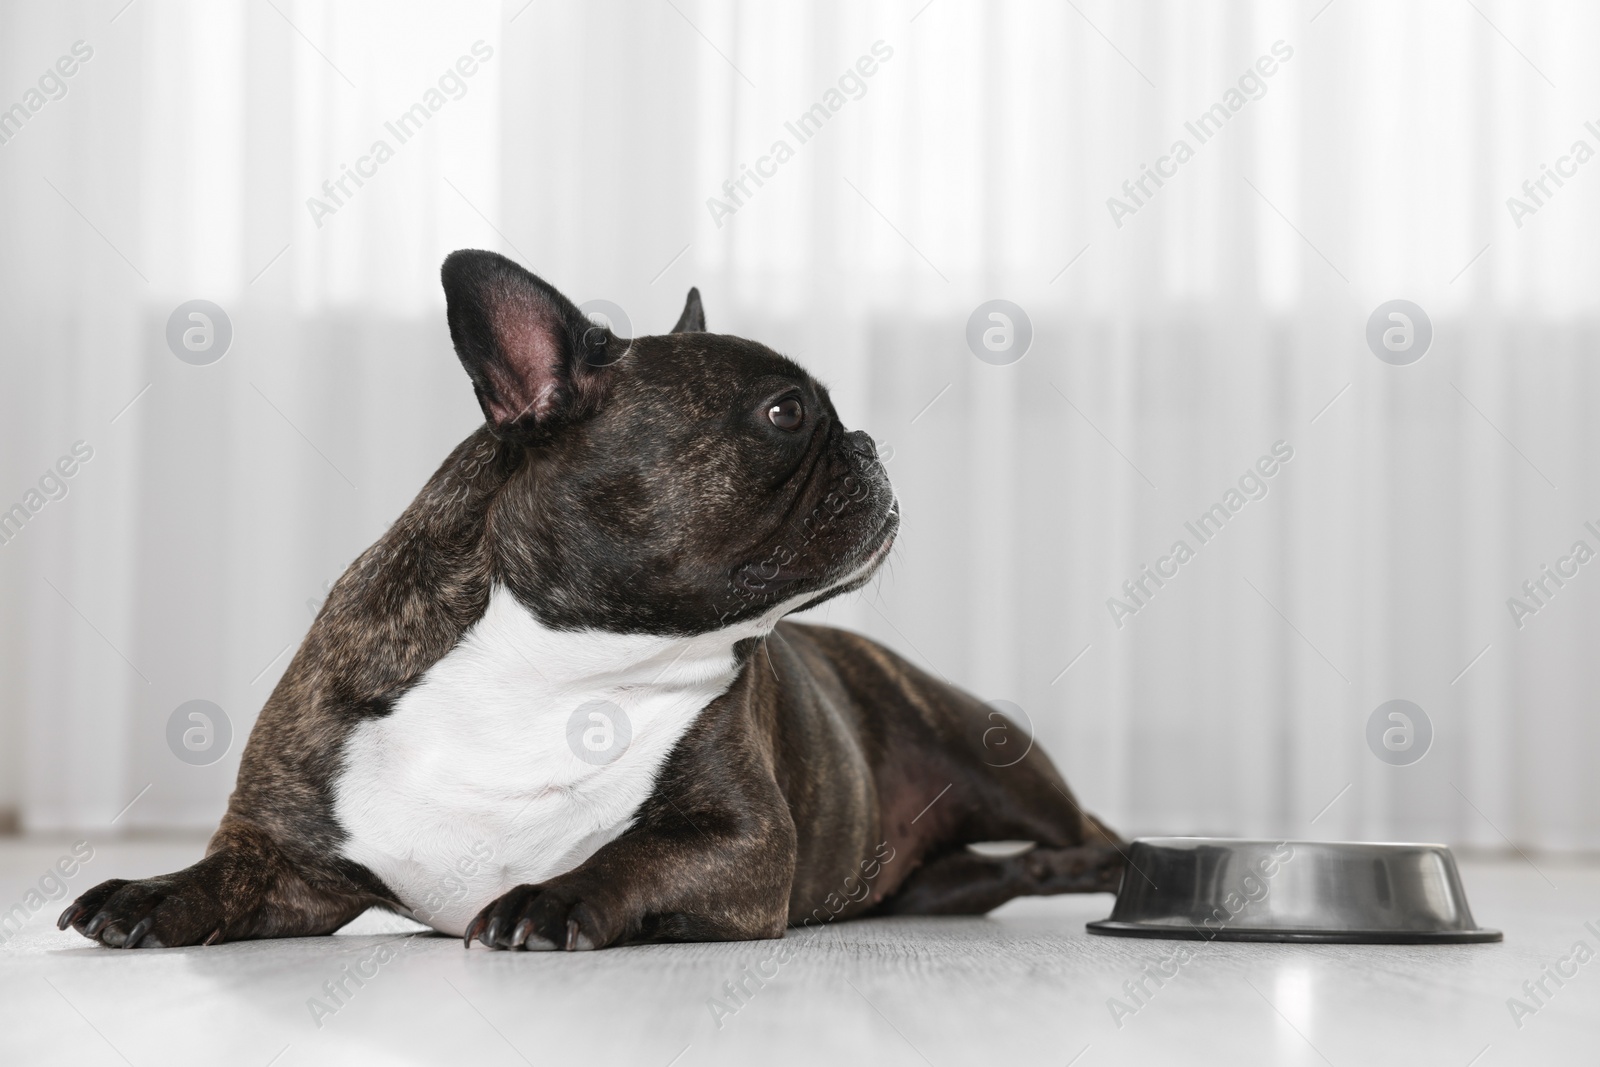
(1026,985)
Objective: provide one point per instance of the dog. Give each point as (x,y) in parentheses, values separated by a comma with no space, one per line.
(555,706)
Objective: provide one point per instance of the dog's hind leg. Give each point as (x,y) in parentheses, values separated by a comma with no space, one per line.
(998,791)
(984,799)
(967,883)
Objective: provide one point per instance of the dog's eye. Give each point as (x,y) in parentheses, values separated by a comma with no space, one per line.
(787,414)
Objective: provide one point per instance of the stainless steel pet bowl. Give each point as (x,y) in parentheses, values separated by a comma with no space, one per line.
(1222,889)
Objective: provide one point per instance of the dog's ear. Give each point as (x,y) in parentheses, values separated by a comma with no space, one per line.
(533,358)
(693,319)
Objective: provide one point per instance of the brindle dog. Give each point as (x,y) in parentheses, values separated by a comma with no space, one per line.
(624,534)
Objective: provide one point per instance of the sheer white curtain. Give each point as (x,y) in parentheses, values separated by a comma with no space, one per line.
(1176,339)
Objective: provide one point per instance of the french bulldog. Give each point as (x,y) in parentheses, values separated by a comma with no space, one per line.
(555,706)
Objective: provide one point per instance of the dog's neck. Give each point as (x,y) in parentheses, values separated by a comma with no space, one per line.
(589,661)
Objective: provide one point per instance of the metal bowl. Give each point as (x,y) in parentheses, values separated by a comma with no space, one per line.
(1223,889)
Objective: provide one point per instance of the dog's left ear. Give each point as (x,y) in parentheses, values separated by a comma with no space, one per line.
(534,359)
(693,319)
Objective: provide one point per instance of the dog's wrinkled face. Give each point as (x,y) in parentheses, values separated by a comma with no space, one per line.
(676,484)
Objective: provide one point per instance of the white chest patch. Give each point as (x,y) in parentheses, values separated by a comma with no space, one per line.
(470,785)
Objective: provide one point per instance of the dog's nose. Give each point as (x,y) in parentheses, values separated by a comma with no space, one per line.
(861,441)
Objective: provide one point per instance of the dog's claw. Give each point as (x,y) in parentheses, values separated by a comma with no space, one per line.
(137,933)
(97,923)
(68,916)
(492,933)
(578,938)
(519,936)
(213,937)
(472,931)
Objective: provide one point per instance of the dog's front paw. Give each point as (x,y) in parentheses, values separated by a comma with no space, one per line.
(541,918)
(160,912)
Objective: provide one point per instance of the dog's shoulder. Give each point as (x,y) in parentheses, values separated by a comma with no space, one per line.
(873,678)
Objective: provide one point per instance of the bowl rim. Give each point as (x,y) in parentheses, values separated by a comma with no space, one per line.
(1266,935)
(1272,841)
